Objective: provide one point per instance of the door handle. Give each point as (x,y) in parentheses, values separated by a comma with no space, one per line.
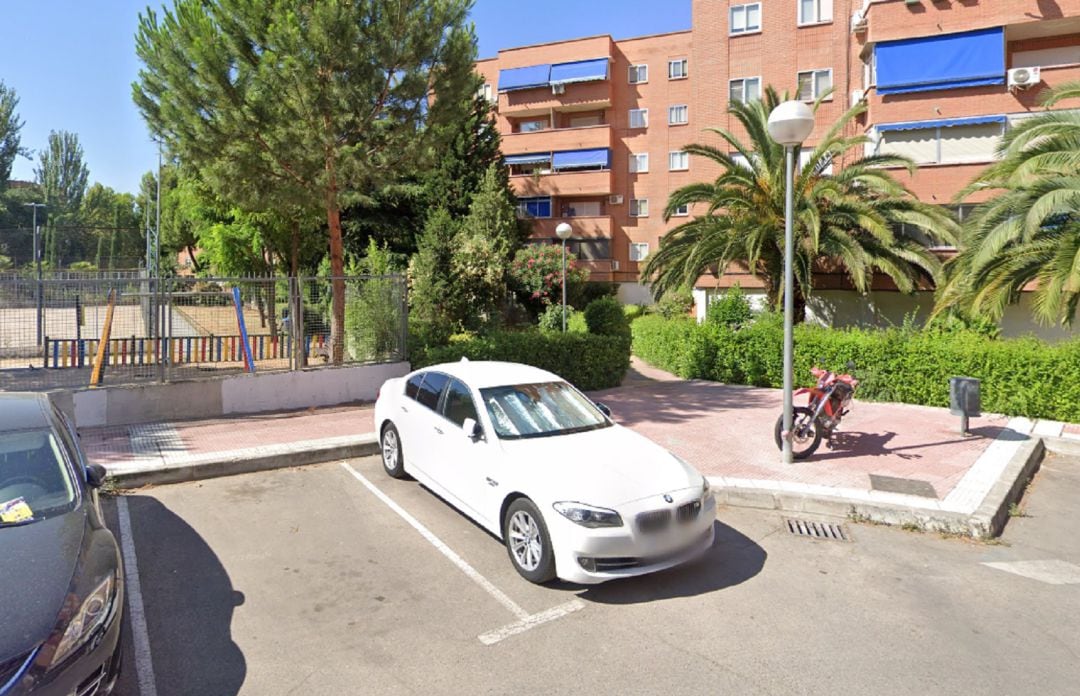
(404,409)
(491,481)
(438,430)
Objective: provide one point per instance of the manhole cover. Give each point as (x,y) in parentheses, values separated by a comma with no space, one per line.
(817,530)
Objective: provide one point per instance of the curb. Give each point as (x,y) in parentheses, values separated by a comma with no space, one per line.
(215,464)
(987,520)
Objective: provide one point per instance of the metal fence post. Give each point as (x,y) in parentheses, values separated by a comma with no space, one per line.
(404,352)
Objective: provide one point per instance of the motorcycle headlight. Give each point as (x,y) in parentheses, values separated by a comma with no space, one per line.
(588,515)
(90,616)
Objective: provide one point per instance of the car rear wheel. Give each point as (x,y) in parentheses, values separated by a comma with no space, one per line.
(392,459)
(527,542)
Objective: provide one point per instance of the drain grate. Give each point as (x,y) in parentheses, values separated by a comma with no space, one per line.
(817,530)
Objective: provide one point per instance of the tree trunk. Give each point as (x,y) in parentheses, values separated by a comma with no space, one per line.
(337,270)
(294,251)
(296,311)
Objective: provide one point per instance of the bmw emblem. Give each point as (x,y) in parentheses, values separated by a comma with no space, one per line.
(668,498)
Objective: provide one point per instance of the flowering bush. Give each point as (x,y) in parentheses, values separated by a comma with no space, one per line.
(537,274)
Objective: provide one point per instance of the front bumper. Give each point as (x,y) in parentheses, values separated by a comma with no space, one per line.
(621,552)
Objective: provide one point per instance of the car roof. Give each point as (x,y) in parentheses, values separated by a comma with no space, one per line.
(22,410)
(480,374)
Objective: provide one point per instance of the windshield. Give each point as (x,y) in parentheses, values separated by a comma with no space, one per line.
(35,481)
(539,410)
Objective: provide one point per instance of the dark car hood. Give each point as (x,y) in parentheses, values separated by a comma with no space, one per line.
(37,562)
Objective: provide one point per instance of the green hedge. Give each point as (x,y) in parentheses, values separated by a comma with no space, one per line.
(587,361)
(1021,376)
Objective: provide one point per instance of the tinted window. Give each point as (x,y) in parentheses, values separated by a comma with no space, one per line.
(413,385)
(458,404)
(431,389)
(34,478)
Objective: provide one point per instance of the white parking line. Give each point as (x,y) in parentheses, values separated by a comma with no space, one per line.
(525,619)
(144,665)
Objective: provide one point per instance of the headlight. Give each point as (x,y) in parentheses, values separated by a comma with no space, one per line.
(91,614)
(588,515)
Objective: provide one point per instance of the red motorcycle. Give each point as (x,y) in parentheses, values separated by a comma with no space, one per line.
(830,401)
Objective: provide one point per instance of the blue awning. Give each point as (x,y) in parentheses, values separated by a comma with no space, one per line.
(524,78)
(579,71)
(528,159)
(941,62)
(580,158)
(940,123)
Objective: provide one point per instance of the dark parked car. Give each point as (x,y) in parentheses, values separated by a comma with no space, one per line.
(61,581)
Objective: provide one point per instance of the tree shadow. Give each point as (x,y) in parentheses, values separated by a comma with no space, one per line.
(189,601)
(679,402)
(733,559)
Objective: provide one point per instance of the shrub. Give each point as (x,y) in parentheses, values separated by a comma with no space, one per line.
(536,275)
(731,309)
(674,303)
(605,317)
(633,311)
(1022,376)
(551,319)
(587,361)
(584,293)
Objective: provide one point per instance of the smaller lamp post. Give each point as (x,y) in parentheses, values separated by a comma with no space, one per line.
(790,123)
(563,231)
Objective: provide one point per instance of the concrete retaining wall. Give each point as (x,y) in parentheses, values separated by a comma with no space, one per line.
(232,395)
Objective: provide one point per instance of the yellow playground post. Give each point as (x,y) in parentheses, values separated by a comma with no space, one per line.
(99,358)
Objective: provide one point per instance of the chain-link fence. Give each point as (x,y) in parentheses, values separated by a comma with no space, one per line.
(124,330)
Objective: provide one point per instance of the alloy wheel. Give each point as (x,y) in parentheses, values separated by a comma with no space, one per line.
(525,540)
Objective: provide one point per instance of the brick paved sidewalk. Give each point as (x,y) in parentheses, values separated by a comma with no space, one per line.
(176,441)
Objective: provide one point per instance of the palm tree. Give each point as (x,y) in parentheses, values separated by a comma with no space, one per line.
(845,219)
(1028,234)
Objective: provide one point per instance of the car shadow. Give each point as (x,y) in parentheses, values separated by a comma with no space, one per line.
(733,559)
(188,600)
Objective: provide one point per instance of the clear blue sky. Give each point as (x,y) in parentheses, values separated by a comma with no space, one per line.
(72,63)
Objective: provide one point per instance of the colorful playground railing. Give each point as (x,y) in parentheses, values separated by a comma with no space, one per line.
(71,352)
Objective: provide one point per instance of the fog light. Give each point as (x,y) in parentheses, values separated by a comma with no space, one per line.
(588,564)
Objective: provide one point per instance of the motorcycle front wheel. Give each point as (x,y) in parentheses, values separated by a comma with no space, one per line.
(807,432)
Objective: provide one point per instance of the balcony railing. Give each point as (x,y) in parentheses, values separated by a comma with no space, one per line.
(557,139)
(541,100)
(583,226)
(564,183)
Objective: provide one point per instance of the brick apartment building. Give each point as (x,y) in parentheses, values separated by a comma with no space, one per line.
(593,128)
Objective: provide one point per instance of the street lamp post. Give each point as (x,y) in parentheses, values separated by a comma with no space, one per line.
(37,260)
(790,124)
(563,231)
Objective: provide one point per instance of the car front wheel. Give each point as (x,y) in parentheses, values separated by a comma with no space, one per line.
(392,459)
(527,542)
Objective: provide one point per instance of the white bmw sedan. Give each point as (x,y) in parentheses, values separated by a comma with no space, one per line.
(539,465)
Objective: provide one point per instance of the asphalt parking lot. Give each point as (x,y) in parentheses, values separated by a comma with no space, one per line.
(311,581)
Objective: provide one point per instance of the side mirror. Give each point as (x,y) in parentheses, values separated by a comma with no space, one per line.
(603,408)
(95,475)
(472,430)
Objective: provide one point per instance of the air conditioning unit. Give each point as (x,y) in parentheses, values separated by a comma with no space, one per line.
(614,199)
(858,21)
(1023,77)
(558,88)
(857,95)
(614,265)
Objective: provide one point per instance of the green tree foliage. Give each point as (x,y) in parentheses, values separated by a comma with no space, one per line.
(10,125)
(731,309)
(62,173)
(536,275)
(16,223)
(1029,231)
(846,218)
(468,149)
(111,230)
(434,303)
(373,308)
(303,104)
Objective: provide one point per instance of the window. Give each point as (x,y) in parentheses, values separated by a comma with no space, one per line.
(815,11)
(590,249)
(485,92)
(744,19)
(639,118)
(944,142)
(745,89)
(676,69)
(741,160)
(639,251)
(822,166)
(458,404)
(639,163)
(532,126)
(638,74)
(639,207)
(681,210)
(431,389)
(540,410)
(413,385)
(678,115)
(814,83)
(534,207)
(678,161)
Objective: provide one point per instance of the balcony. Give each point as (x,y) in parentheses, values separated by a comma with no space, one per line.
(567,183)
(589,227)
(541,101)
(554,140)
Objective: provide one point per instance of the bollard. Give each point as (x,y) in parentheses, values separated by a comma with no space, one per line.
(965,400)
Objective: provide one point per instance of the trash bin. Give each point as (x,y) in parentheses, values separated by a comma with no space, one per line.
(965,399)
